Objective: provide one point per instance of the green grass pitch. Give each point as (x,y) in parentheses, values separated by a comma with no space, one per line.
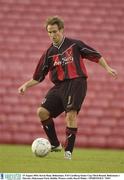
(19,158)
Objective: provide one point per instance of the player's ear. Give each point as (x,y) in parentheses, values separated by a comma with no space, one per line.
(62,30)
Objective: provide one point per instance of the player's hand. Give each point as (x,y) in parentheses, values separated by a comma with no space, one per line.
(112,72)
(22,89)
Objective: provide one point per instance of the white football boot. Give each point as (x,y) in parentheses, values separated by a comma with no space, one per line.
(67,155)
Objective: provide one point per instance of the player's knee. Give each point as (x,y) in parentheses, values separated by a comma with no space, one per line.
(71,119)
(42,113)
(72,115)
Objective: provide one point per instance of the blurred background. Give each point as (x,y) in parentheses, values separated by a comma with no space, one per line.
(22,40)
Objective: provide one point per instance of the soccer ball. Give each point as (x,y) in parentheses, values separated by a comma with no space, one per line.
(41,147)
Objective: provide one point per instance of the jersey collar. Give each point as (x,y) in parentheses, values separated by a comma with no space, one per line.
(58,47)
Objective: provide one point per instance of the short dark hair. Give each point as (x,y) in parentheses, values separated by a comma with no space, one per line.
(55,20)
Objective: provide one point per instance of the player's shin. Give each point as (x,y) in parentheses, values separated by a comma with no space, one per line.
(70,138)
(49,128)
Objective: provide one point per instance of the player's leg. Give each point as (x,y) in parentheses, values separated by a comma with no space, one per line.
(51,107)
(74,96)
(48,125)
(71,131)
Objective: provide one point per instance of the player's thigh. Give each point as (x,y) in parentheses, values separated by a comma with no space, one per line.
(52,102)
(75,94)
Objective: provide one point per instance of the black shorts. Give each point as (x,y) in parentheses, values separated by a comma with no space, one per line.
(65,96)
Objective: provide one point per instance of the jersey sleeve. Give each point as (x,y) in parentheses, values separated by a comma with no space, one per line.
(41,69)
(88,52)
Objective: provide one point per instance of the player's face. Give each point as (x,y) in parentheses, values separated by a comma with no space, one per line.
(55,34)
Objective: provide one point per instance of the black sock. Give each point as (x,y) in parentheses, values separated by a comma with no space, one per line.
(70,138)
(49,128)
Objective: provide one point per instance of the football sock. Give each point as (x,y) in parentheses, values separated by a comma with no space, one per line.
(70,138)
(49,128)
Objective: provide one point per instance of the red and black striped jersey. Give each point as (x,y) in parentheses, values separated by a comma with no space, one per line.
(66,61)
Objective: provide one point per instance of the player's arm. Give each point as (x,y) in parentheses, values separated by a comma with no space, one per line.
(91,54)
(27,85)
(110,70)
(38,76)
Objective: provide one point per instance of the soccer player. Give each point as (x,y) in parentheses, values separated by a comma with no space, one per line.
(64,62)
